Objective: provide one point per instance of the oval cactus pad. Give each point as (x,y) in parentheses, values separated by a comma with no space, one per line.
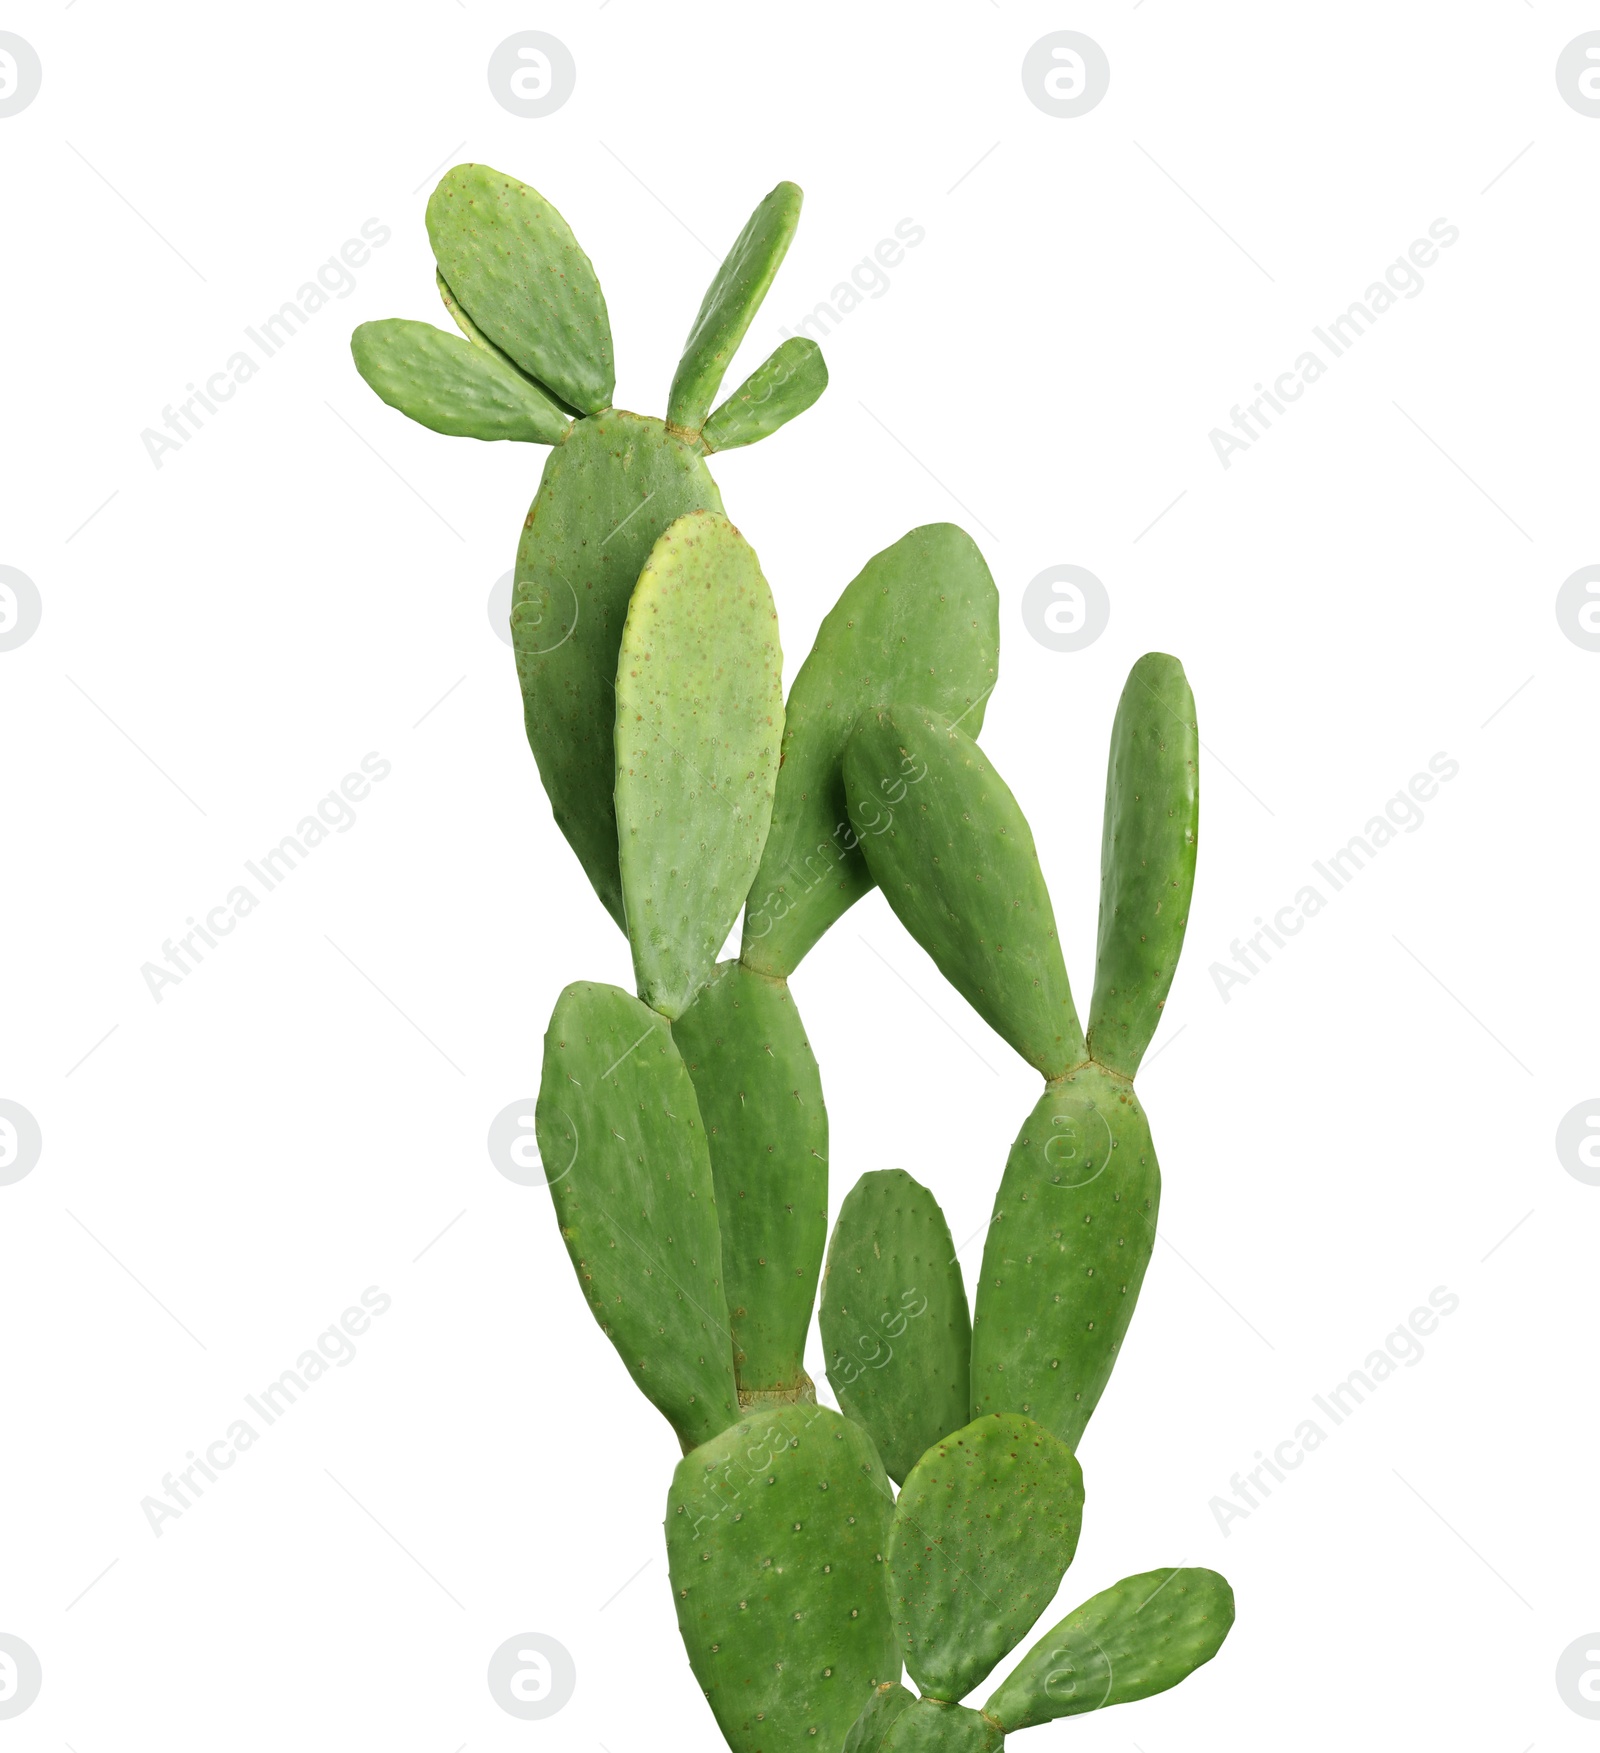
(450,386)
(699,723)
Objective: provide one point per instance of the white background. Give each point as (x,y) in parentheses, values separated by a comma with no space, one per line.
(226,636)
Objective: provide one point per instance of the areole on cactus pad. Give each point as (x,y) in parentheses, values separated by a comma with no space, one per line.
(683,1132)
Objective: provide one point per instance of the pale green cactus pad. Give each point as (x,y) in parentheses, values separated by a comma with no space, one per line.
(983,1533)
(776,1535)
(513,263)
(786,383)
(933,1726)
(919,625)
(623,1151)
(447,384)
(1139,1637)
(731,301)
(699,724)
(760,1098)
(894,1318)
(1073,1227)
(1147,858)
(956,861)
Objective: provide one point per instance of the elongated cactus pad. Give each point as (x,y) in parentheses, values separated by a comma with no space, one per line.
(760,1099)
(776,1534)
(919,625)
(1147,858)
(983,1534)
(623,1151)
(1137,1638)
(956,862)
(885,1703)
(607,494)
(786,383)
(511,260)
(933,1726)
(1073,1227)
(447,384)
(731,301)
(894,1318)
(699,723)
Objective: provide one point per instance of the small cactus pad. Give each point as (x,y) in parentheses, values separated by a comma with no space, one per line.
(894,1318)
(606,495)
(883,1705)
(451,386)
(1139,1637)
(1074,1223)
(776,1534)
(919,625)
(786,383)
(620,1140)
(1147,858)
(983,1533)
(731,301)
(932,1726)
(699,723)
(951,849)
(760,1099)
(514,265)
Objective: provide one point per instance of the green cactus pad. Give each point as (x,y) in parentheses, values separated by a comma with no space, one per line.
(894,1318)
(933,1726)
(1074,1223)
(699,724)
(983,1534)
(776,1534)
(786,383)
(919,625)
(1139,1637)
(731,301)
(606,496)
(481,341)
(623,1151)
(1147,858)
(450,386)
(760,1099)
(878,1714)
(956,861)
(510,259)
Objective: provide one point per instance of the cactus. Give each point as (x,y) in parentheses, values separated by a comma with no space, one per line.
(683,1131)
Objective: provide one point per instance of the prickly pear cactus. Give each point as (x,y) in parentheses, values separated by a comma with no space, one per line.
(683,1131)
